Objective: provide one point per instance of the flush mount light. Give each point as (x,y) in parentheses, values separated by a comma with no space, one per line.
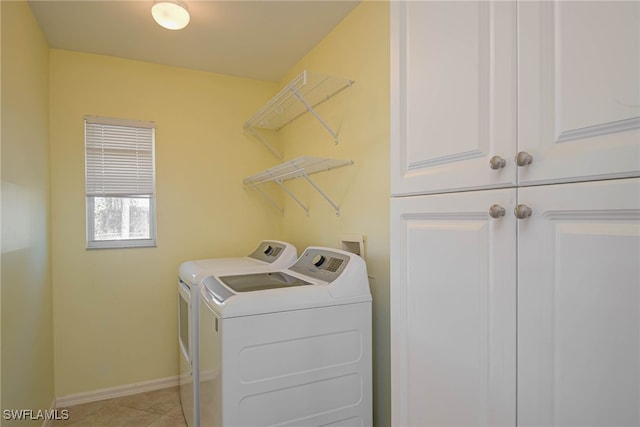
(170,14)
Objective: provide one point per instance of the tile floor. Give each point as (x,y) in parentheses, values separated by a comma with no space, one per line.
(159,408)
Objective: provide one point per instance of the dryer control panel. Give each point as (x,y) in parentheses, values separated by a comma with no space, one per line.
(268,251)
(321,264)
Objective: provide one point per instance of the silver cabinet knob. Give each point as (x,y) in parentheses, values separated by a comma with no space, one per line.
(496,211)
(522,211)
(523,158)
(497,162)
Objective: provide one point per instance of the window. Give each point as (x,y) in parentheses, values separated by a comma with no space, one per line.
(120,182)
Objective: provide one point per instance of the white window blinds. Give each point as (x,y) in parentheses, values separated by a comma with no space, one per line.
(119,157)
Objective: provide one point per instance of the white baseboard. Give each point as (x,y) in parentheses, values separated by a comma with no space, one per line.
(119,391)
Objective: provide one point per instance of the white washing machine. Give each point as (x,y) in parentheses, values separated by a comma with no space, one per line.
(269,255)
(288,347)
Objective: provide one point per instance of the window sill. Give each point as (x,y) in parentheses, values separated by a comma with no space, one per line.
(121,244)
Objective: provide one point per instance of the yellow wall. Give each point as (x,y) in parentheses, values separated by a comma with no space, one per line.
(0,213)
(357,49)
(115,310)
(27,331)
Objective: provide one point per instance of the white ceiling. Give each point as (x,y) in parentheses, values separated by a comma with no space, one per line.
(254,39)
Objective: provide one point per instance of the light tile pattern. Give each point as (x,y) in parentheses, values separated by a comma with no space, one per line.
(158,408)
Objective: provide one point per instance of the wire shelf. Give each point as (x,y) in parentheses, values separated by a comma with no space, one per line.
(295,168)
(300,167)
(305,90)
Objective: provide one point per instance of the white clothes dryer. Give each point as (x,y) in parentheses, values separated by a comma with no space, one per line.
(288,347)
(269,255)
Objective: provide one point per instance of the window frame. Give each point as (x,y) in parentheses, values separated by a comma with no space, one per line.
(91,242)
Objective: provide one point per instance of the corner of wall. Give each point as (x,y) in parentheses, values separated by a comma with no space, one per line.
(357,49)
(26,291)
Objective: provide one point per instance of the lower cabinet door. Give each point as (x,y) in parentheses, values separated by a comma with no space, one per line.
(453,309)
(579,305)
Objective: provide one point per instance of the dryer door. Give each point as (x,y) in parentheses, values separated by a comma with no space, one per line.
(210,372)
(185,351)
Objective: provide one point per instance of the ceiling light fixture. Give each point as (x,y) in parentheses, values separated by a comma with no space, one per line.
(170,14)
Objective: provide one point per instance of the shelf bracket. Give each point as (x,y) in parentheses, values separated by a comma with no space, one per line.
(262,139)
(310,181)
(269,199)
(315,114)
(293,196)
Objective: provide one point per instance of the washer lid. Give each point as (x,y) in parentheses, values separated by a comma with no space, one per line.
(261,281)
(321,277)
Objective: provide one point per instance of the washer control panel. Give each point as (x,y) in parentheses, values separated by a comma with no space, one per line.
(321,264)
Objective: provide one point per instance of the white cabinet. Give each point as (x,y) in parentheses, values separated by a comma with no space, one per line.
(453,95)
(454,295)
(558,81)
(579,90)
(579,305)
(463,90)
(453,311)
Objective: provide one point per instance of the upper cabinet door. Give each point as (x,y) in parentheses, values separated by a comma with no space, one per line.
(578,90)
(453,96)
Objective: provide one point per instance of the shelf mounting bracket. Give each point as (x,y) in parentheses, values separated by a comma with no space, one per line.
(315,114)
(269,199)
(314,185)
(293,196)
(262,139)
